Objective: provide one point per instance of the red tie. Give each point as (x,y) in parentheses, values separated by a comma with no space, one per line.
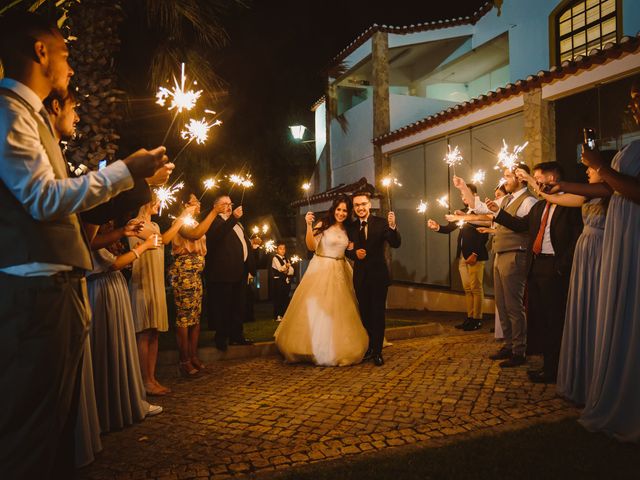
(537,244)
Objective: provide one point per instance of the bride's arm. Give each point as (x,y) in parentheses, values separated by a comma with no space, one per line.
(309,238)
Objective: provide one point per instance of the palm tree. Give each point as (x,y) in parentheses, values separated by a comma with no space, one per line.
(186,30)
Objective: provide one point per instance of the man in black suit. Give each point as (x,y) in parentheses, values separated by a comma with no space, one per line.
(371,277)
(553,233)
(230,260)
(472,255)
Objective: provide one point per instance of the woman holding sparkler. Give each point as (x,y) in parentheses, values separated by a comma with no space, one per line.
(189,248)
(148,300)
(119,388)
(322,324)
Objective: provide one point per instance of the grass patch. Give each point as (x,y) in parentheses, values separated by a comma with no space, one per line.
(562,450)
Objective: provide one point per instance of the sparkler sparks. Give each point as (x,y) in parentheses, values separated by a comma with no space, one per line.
(270,246)
(422,207)
(460,223)
(265,229)
(294,259)
(453,157)
(181,99)
(478,177)
(507,159)
(386,183)
(306,187)
(443,201)
(167,195)
(198,130)
(209,183)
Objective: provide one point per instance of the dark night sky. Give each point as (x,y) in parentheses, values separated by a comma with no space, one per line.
(274,64)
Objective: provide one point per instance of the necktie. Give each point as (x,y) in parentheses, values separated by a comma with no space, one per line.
(506,201)
(362,234)
(537,244)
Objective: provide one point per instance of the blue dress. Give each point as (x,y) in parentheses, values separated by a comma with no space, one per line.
(578,339)
(613,403)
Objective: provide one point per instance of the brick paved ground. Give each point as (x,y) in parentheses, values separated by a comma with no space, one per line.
(258,415)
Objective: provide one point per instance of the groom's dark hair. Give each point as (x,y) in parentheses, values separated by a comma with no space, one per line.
(361,193)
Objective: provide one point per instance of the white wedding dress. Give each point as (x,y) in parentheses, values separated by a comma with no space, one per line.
(322,324)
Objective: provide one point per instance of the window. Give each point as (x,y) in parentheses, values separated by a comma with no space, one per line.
(585,25)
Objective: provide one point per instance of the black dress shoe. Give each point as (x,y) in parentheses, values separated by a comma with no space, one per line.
(514,361)
(501,354)
(368,354)
(244,341)
(472,325)
(541,377)
(378,361)
(463,325)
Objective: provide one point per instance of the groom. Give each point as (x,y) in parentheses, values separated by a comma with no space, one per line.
(370,273)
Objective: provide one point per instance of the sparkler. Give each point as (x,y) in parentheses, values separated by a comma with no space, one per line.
(453,157)
(270,246)
(478,177)
(386,183)
(208,183)
(507,159)
(306,187)
(188,220)
(245,182)
(181,99)
(294,259)
(265,229)
(167,195)
(460,223)
(443,201)
(198,130)
(422,207)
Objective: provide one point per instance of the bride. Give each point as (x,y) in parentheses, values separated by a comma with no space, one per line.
(322,324)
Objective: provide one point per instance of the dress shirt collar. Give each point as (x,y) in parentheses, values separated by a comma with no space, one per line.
(517,193)
(25,92)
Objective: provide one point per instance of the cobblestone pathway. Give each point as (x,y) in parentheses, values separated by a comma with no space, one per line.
(259,414)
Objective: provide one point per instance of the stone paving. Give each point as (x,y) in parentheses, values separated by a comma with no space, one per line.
(249,416)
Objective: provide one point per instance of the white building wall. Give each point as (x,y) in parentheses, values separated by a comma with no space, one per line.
(352,152)
(320,128)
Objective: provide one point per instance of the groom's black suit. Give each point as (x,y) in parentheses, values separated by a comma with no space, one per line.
(371,276)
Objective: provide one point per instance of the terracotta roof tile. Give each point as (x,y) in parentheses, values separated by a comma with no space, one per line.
(360,185)
(413,28)
(566,68)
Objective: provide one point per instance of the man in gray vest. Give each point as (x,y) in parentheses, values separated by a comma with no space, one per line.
(510,269)
(43,254)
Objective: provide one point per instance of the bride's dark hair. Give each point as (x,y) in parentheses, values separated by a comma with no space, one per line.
(330,218)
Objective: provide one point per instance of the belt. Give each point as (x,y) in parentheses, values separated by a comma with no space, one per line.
(544,255)
(327,256)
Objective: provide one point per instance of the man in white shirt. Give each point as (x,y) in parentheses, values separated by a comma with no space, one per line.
(43,254)
(281,273)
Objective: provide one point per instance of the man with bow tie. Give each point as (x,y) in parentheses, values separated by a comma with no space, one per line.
(230,260)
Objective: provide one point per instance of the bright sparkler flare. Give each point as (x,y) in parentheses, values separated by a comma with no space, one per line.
(294,259)
(198,130)
(255,230)
(265,228)
(388,181)
(507,159)
(501,182)
(189,221)
(240,180)
(167,195)
(443,201)
(478,177)
(270,246)
(422,206)
(246,182)
(453,157)
(181,99)
(460,223)
(306,186)
(209,183)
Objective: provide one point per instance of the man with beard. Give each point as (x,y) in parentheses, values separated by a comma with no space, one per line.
(43,253)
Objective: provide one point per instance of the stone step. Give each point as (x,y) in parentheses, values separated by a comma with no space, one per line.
(263,349)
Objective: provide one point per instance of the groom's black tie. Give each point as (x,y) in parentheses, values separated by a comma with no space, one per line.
(362,234)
